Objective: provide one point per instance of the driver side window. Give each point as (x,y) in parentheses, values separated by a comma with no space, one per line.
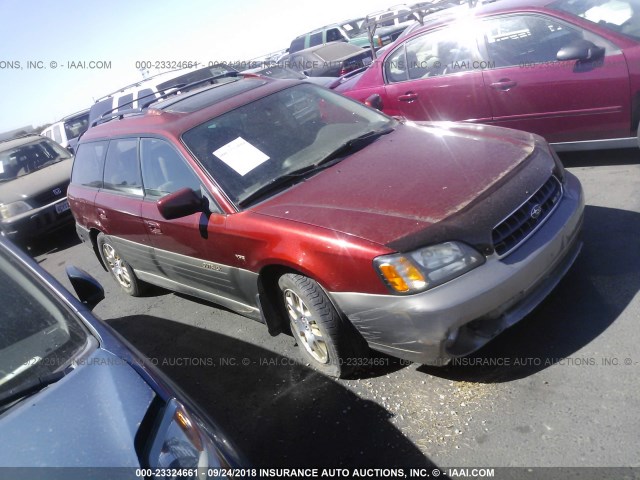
(521,40)
(163,169)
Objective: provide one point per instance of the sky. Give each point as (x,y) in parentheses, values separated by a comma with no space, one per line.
(46,48)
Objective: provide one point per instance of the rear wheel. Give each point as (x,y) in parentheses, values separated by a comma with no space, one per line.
(325,339)
(119,269)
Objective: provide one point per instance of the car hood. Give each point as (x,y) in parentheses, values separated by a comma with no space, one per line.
(49,177)
(89,418)
(419,175)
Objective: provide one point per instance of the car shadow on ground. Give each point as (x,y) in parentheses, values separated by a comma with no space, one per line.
(55,242)
(594,158)
(596,290)
(279,412)
(378,365)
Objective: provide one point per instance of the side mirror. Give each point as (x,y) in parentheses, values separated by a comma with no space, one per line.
(88,289)
(581,50)
(180,203)
(374,101)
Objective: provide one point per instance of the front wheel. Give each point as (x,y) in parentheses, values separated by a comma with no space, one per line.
(331,344)
(118,268)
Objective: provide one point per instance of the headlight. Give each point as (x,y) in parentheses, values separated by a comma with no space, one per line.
(427,267)
(8,210)
(183,441)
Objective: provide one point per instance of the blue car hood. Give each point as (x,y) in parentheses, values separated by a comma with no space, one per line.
(88,418)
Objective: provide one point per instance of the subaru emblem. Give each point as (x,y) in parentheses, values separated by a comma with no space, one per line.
(536,211)
(57,191)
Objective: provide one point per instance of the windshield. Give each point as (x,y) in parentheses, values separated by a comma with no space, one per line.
(620,16)
(252,146)
(76,126)
(28,158)
(38,335)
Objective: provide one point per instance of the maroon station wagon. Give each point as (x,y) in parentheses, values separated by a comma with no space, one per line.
(309,211)
(568,70)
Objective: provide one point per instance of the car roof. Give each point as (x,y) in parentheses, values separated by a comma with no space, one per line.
(19,141)
(174,116)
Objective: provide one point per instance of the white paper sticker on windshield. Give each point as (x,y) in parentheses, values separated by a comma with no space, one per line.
(1,167)
(241,156)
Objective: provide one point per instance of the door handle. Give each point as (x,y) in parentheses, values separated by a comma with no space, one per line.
(154,227)
(102,215)
(408,97)
(504,84)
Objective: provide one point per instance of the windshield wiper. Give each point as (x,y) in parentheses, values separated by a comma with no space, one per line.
(278,182)
(329,160)
(354,144)
(29,388)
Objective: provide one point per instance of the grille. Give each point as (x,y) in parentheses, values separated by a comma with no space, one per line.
(513,230)
(47,197)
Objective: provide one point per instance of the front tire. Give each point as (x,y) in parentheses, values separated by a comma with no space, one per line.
(120,270)
(330,344)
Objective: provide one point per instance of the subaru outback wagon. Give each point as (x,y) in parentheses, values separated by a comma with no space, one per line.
(309,211)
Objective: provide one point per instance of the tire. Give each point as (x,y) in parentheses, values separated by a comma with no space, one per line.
(120,270)
(331,344)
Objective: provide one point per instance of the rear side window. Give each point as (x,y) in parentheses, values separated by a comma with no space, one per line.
(88,164)
(125,102)
(316,39)
(99,109)
(334,35)
(164,170)
(146,96)
(121,170)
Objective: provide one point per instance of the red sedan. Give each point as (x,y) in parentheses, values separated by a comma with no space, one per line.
(567,70)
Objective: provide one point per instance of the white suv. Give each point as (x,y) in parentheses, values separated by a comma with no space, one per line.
(66,131)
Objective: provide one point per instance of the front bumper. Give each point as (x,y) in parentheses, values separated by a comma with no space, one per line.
(460,316)
(36,222)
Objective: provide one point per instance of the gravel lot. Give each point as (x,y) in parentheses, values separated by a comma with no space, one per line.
(558,389)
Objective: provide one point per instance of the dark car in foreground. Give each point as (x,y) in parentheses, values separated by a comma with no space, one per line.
(313,213)
(567,70)
(330,60)
(34,176)
(73,393)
